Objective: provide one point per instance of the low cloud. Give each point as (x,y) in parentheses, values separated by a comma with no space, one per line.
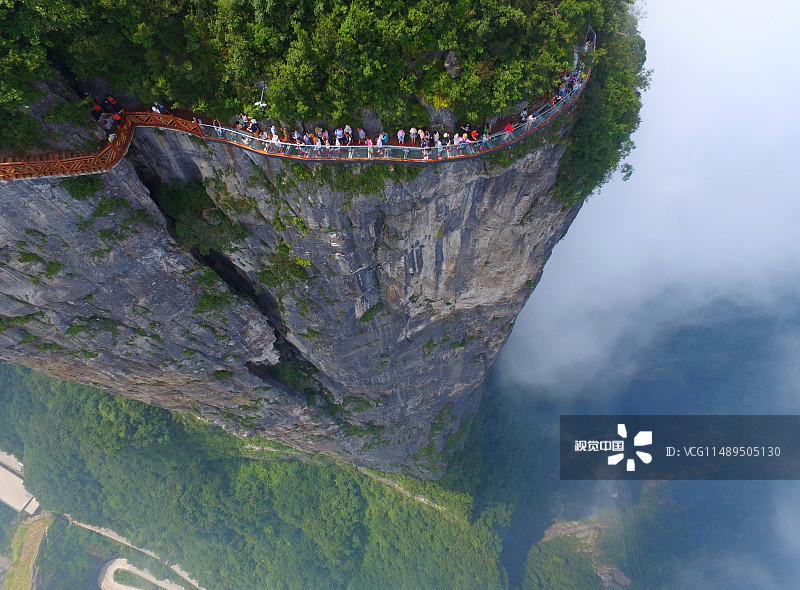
(710,213)
(771,561)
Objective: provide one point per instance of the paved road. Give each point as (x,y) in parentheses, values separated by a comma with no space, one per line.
(105,579)
(10,461)
(120,539)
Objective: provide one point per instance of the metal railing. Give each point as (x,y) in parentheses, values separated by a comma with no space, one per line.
(57,164)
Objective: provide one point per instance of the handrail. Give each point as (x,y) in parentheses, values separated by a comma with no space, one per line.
(58,164)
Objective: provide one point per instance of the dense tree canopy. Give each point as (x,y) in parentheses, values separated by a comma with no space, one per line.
(608,112)
(323,59)
(184,490)
(189,493)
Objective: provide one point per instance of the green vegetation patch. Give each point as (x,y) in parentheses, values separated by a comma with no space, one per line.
(373,430)
(283,269)
(432,344)
(25,548)
(238,204)
(429,455)
(30,257)
(137,216)
(76,113)
(34,233)
(9,519)
(352,403)
(46,346)
(372,312)
(71,558)
(207,277)
(561,562)
(108,205)
(311,334)
(128,578)
(198,223)
(52,267)
(209,55)
(317,523)
(212,302)
(82,187)
(94,323)
(297,375)
(19,320)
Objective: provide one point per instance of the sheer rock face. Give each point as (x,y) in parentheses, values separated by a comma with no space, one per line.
(413,287)
(115,286)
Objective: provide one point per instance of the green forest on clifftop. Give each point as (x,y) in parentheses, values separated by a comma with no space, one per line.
(325,59)
(322,58)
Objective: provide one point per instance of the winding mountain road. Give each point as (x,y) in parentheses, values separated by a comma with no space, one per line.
(120,539)
(105,579)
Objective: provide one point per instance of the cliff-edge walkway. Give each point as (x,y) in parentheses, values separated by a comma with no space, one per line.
(59,164)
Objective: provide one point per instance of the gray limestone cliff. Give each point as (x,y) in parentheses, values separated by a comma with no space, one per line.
(356,317)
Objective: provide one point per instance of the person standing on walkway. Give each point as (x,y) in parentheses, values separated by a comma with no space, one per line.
(413,133)
(218,127)
(401,137)
(97,110)
(112,103)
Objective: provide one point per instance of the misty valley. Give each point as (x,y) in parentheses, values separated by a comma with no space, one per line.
(233,514)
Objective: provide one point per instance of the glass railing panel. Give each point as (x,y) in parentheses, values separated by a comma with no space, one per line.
(542,115)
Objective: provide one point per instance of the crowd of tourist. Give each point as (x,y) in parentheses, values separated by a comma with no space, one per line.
(322,143)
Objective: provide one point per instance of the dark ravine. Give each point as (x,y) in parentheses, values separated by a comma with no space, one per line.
(415,280)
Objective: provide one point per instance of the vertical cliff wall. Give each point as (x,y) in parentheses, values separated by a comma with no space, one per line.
(357,316)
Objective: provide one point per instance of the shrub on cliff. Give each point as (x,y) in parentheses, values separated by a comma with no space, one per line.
(198,223)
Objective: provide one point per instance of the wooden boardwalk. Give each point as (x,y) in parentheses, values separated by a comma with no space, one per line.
(55,164)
